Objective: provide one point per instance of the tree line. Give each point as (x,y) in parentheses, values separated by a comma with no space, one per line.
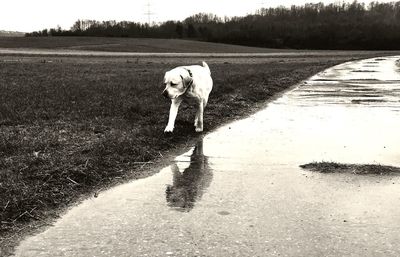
(310,26)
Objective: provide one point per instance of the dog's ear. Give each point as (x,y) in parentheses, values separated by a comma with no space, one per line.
(187,81)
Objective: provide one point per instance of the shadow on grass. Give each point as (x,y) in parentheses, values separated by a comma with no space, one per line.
(358,169)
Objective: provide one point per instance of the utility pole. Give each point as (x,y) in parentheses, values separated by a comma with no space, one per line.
(148,12)
(262,7)
(262,4)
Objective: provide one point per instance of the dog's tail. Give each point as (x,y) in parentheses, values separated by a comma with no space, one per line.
(206,66)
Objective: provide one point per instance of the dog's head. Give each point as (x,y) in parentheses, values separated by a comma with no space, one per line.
(176,82)
(180,198)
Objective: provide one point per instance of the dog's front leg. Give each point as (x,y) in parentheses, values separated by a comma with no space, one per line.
(173,111)
(199,118)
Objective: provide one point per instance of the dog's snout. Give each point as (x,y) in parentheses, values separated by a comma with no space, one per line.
(165,93)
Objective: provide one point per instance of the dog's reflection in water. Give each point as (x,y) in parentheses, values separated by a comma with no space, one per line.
(189,186)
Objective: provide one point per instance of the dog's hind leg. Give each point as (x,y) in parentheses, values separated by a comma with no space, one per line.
(196,118)
(199,117)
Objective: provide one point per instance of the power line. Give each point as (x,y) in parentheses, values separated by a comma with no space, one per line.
(262,4)
(148,12)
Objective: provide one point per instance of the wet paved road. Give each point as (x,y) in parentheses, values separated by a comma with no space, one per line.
(240,191)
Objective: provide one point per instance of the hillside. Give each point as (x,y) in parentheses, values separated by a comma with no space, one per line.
(127,45)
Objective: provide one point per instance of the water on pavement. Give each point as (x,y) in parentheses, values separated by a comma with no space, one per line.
(240,191)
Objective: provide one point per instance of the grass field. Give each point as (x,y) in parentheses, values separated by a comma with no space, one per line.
(128,45)
(71,126)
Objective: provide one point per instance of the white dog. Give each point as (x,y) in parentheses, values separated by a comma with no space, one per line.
(193,83)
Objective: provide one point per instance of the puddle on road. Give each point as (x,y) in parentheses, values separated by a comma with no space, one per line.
(240,192)
(353,83)
(189,183)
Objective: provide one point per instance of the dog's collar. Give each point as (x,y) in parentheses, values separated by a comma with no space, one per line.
(191,75)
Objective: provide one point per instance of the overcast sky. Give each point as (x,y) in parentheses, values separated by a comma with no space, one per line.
(30,15)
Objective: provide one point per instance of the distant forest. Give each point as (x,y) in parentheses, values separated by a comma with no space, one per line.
(311,26)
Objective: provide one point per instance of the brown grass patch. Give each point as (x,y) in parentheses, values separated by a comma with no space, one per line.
(359,169)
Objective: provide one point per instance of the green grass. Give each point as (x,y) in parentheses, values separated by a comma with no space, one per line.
(359,169)
(71,126)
